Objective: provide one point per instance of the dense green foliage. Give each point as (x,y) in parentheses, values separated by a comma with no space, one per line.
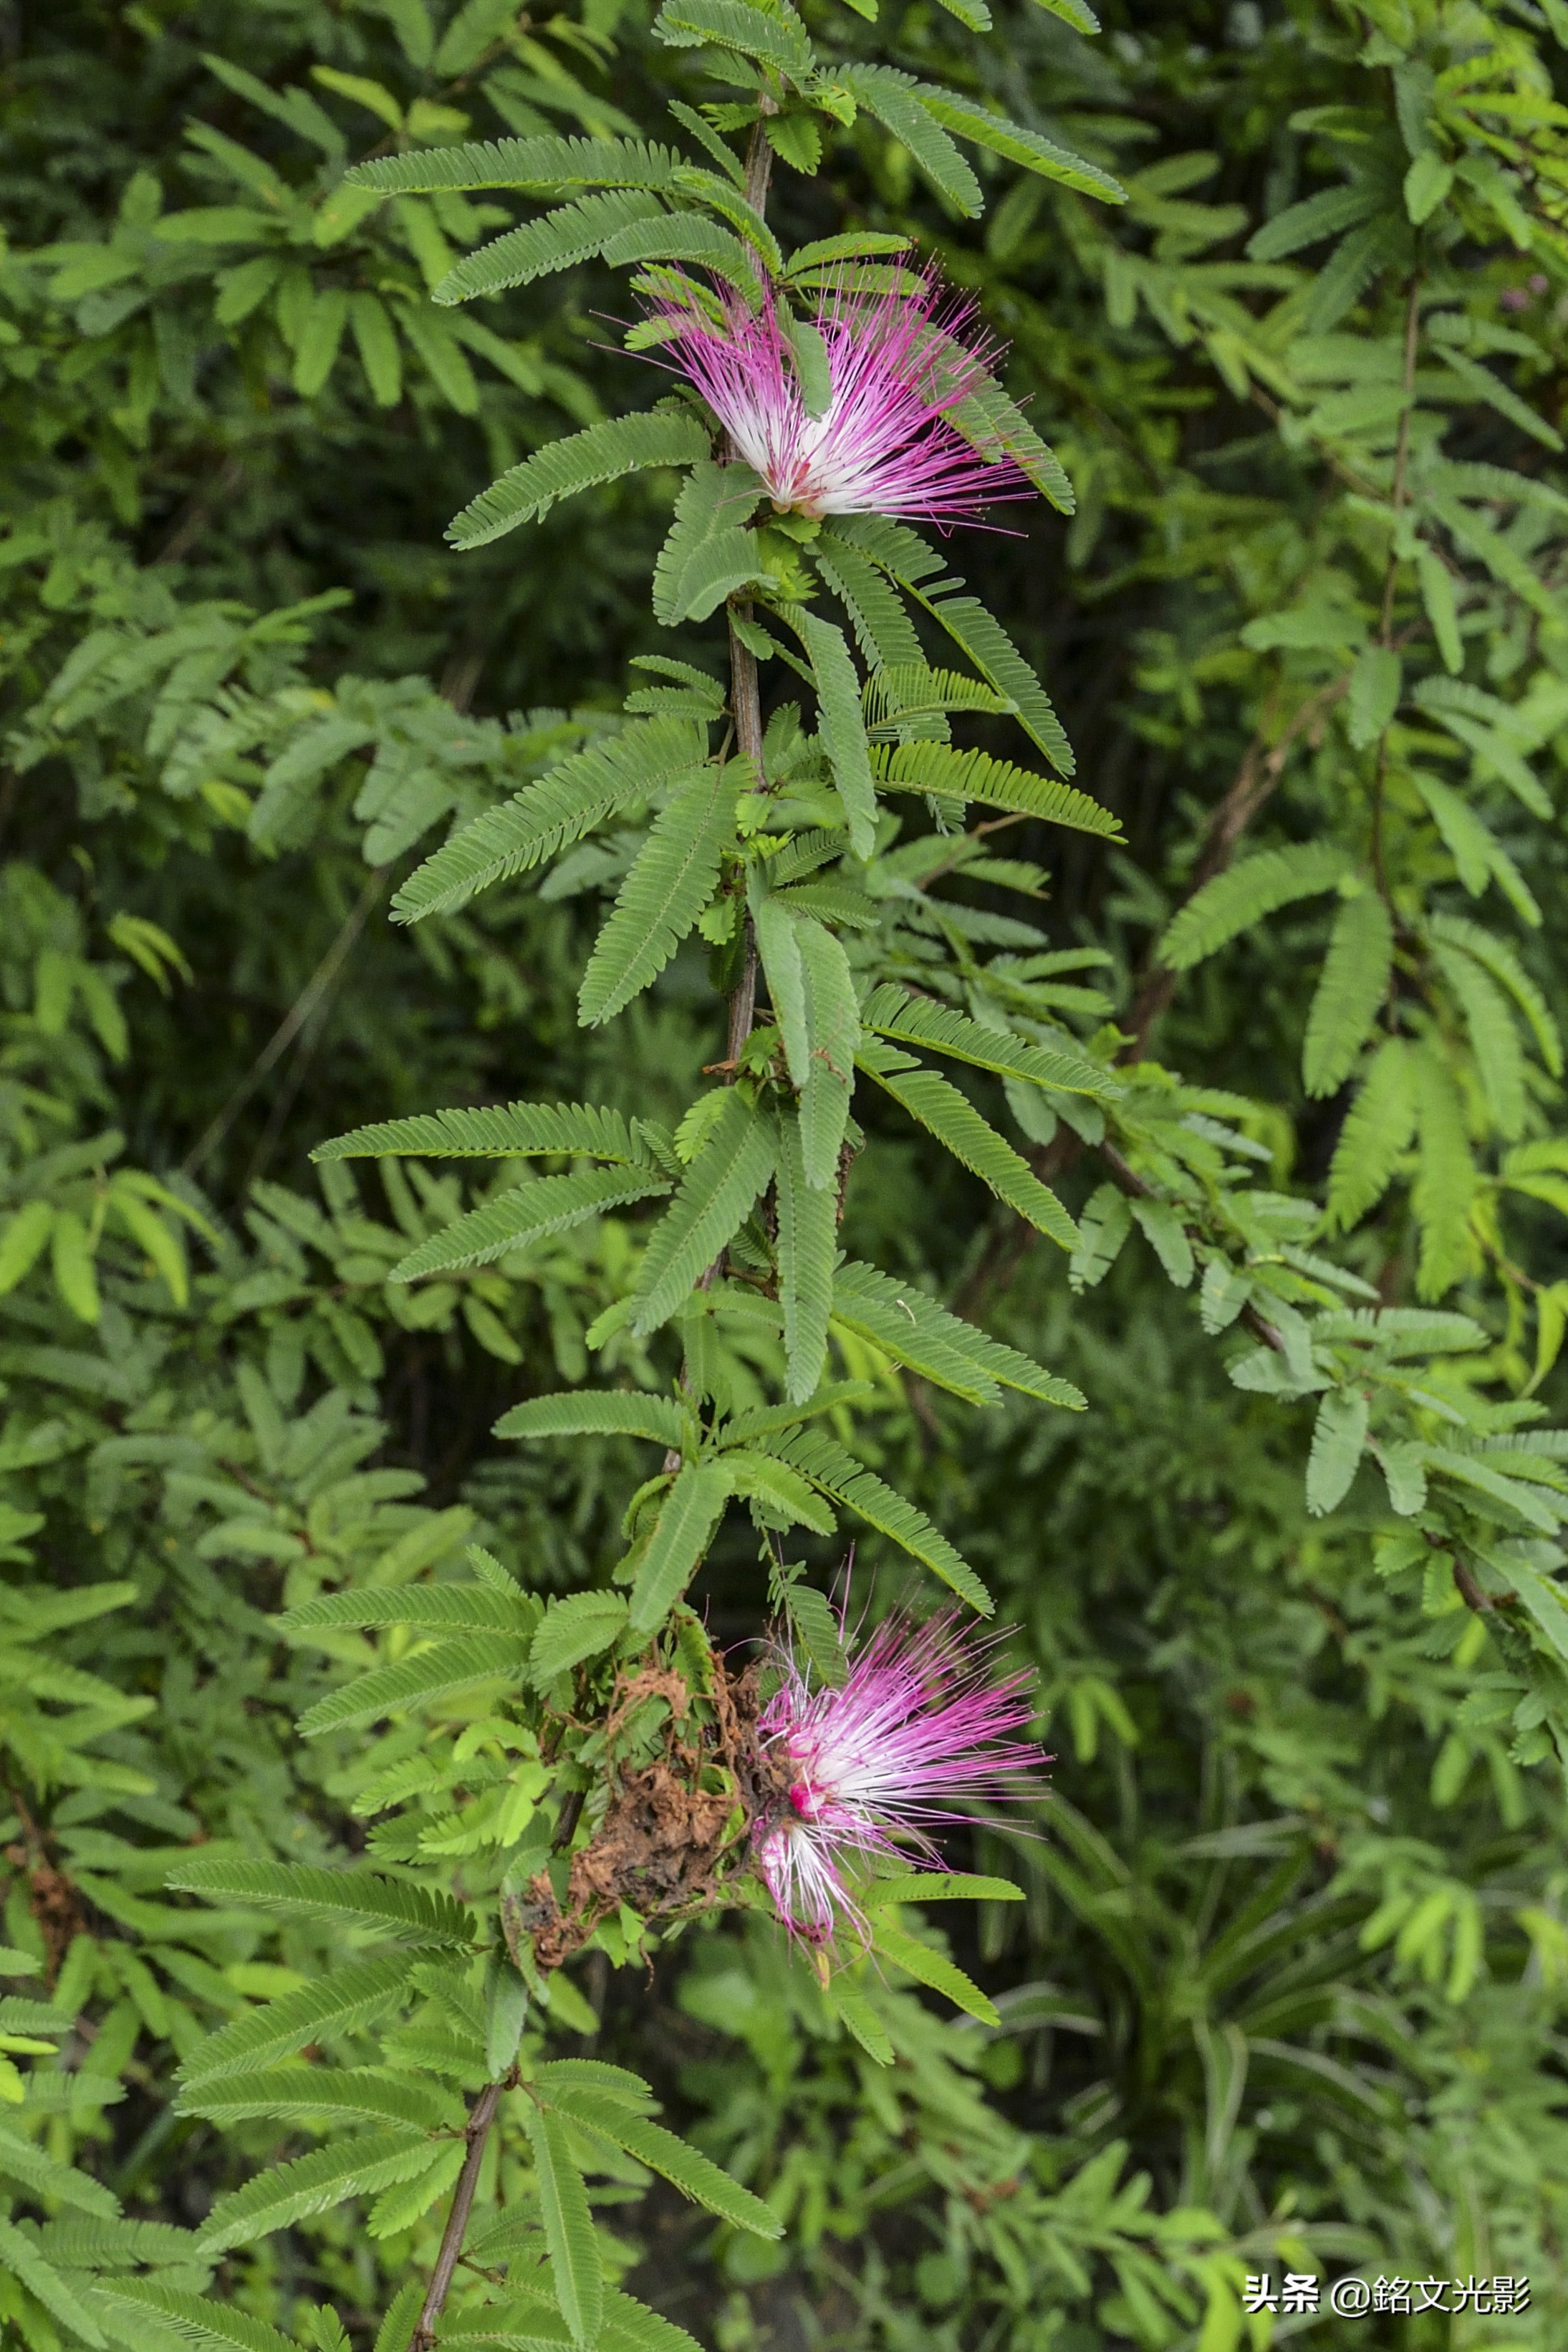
(1207,1073)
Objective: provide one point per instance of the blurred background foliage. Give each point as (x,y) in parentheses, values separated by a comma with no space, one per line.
(1287,1987)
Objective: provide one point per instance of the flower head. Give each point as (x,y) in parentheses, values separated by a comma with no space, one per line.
(898,365)
(918,1723)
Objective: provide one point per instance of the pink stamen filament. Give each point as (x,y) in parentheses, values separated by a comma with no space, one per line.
(897,367)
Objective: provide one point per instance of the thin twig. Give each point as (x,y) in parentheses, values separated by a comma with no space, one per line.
(481,2116)
(294,1020)
(198,510)
(1254,780)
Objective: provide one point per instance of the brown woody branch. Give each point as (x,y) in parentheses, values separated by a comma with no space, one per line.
(481,2116)
(1255,781)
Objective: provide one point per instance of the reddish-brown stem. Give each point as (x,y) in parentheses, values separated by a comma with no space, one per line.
(1254,780)
(481,2116)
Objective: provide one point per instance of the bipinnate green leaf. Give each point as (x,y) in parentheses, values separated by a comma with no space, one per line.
(314,2184)
(892,698)
(396,2331)
(1475,849)
(535,164)
(682,1533)
(724,193)
(521,2319)
(850,2005)
(692,238)
(896,101)
(1545,1601)
(297,2094)
(813,993)
(561,239)
(1497,957)
(58,2298)
(23,1239)
(932,1967)
(1315,217)
(1339,1434)
(893,1011)
(446,1608)
(1103,1223)
(1350,994)
(692,2173)
(356,1899)
(212,2327)
(600,453)
(807,1244)
(1373,696)
(1036,153)
(1445,1184)
(837,1475)
(1494,1038)
(997,428)
(787,1500)
(953,1119)
(779,945)
(995,784)
(1377,1132)
(630,2326)
(616,2082)
(527,1212)
(506,2014)
(1483,724)
(576,2268)
(524,2319)
(1441,607)
(338,2003)
(710,551)
(1163,1229)
(994,420)
(938,1886)
(414,1680)
(1484,385)
(1534,1504)
(731,1171)
(46,2177)
(535,824)
(883,630)
(833,1038)
(1075,13)
(1232,902)
(398,2208)
(1404,1473)
(842,729)
(812,1615)
(671,881)
(580,1625)
(910,1326)
(774,35)
(597,1412)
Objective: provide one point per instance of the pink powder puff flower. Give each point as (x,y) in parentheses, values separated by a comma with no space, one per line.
(897,366)
(917,1724)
